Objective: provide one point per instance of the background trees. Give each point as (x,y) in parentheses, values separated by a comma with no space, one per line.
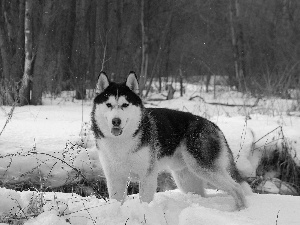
(254,43)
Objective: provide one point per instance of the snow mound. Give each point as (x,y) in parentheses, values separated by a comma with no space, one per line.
(171,207)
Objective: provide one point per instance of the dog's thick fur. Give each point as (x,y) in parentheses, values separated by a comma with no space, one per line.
(137,143)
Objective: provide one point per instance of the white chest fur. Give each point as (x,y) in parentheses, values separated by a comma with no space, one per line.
(120,156)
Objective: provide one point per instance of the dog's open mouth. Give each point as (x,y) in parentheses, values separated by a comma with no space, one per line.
(116,131)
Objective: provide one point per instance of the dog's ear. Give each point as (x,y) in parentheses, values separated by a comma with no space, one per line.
(102,83)
(132,82)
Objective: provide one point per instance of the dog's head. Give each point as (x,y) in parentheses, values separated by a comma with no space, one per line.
(117,107)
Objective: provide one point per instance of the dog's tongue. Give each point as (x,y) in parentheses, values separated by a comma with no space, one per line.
(116,131)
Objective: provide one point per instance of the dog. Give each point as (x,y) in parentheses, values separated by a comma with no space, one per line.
(136,143)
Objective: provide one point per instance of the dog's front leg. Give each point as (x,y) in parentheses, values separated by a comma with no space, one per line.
(148,187)
(117,186)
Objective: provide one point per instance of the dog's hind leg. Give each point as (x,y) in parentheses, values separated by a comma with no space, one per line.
(186,181)
(224,181)
(217,176)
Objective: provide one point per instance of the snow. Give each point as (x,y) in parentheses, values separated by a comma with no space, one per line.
(171,207)
(43,143)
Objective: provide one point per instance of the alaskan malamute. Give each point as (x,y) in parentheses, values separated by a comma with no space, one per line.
(136,143)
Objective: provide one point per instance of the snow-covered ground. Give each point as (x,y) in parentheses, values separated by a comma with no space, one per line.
(41,142)
(168,208)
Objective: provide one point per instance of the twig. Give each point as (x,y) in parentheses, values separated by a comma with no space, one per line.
(268,134)
(277,216)
(10,114)
(63,161)
(86,209)
(243,136)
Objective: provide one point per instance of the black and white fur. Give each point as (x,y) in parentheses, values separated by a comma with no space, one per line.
(136,143)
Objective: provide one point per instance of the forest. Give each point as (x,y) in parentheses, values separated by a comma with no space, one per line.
(235,63)
(50,46)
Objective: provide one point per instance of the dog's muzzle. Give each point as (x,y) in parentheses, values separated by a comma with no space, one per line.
(116,129)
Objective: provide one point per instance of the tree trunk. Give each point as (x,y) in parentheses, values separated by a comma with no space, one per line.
(81,53)
(143,74)
(64,56)
(98,37)
(207,82)
(92,44)
(39,65)
(240,47)
(161,47)
(101,37)
(24,93)
(237,39)
(166,72)
(181,82)
(234,44)
(119,40)
(171,92)
(6,95)
(5,53)
(17,64)
(181,75)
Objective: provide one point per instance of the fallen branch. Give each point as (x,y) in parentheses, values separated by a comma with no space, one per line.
(226,104)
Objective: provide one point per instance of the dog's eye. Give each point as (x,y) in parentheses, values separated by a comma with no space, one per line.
(108,105)
(125,105)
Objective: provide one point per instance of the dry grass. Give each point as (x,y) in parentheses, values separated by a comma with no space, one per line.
(280,168)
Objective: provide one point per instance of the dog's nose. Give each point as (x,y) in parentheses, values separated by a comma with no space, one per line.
(116,122)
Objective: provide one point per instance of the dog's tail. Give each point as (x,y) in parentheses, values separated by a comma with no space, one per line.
(236,175)
(245,185)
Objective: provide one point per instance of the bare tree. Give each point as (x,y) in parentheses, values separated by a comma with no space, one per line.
(80,51)
(144,63)
(12,48)
(24,93)
(160,50)
(39,65)
(65,28)
(6,57)
(237,40)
